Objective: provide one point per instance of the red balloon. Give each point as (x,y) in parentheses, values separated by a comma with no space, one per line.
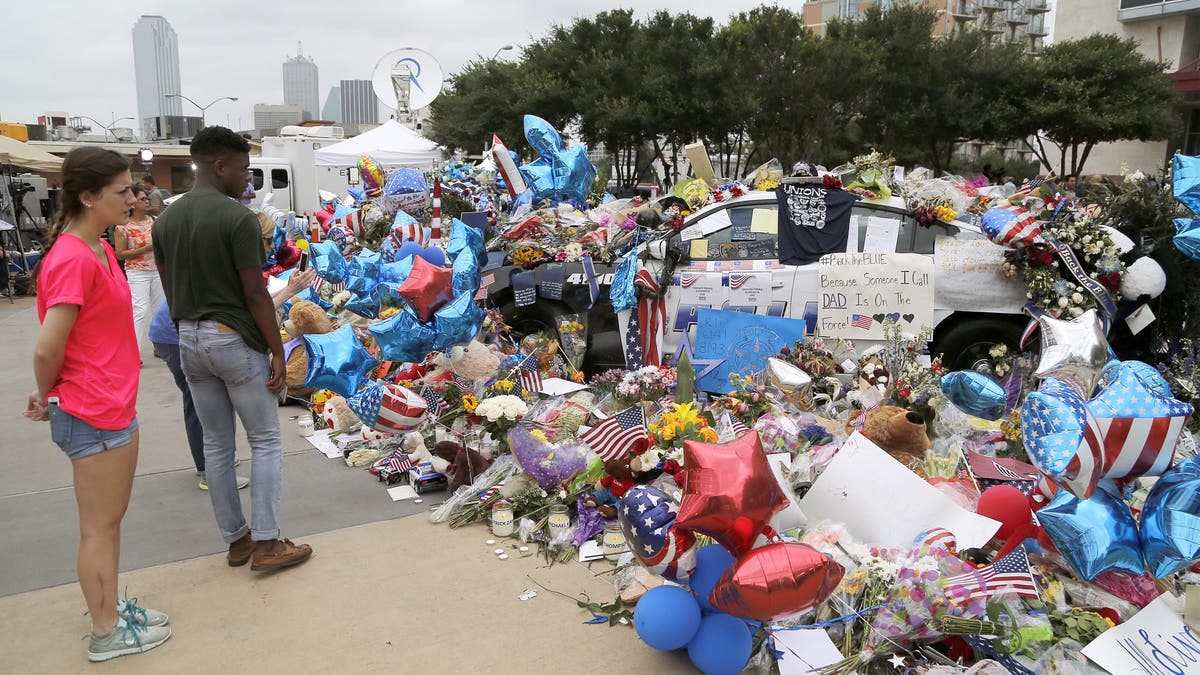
(776,581)
(729,492)
(1010,506)
(426,289)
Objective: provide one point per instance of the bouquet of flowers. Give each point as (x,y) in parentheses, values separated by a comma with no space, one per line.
(667,434)
(746,402)
(823,362)
(606,383)
(650,383)
(572,334)
(913,384)
(500,413)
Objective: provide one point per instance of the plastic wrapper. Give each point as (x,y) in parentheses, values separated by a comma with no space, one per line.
(622,290)
(768,172)
(1141,590)
(949,190)
(500,471)
(1083,594)
(572,336)
(1065,658)
(526,531)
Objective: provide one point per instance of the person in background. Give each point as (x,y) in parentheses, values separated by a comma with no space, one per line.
(165,339)
(86,365)
(1070,186)
(133,247)
(209,254)
(156,195)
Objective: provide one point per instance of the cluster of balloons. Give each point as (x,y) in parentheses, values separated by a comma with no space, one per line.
(1186,186)
(559,174)
(452,170)
(1094,426)
(750,575)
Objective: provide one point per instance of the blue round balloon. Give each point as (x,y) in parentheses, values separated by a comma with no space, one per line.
(666,618)
(721,646)
(1170,528)
(409,248)
(434,256)
(1094,534)
(337,361)
(975,393)
(711,563)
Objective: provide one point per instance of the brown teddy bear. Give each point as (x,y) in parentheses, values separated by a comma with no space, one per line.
(306,318)
(465,464)
(619,479)
(897,430)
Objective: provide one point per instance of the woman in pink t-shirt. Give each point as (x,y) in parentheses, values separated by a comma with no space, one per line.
(86,365)
(132,246)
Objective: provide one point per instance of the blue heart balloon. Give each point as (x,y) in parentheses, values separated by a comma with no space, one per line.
(1171,520)
(1061,436)
(975,393)
(337,361)
(465,276)
(403,337)
(458,322)
(1094,534)
(328,262)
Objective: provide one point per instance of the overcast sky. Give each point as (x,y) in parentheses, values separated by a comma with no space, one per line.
(77,56)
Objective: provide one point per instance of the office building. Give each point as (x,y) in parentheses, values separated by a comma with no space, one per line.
(358,102)
(332,110)
(156,73)
(267,116)
(1010,21)
(300,84)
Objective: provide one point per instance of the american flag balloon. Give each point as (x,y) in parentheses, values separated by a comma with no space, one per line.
(647,516)
(388,407)
(1062,437)
(1139,420)
(1011,226)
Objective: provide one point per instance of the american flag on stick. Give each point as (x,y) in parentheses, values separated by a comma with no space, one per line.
(616,435)
(463,384)
(320,283)
(735,425)
(531,374)
(1008,572)
(1029,186)
(399,462)
(435,404)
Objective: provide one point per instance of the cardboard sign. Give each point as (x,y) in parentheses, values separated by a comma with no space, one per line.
(524,285)
(702,167)
(859,291)
(970,277)
(1155,641)
(738,342)
(750,289)
(700,288)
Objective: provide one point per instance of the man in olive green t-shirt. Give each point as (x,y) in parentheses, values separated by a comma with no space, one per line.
(208,253)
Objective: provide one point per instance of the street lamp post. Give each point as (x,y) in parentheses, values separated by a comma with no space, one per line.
(502,49)
(202,107)
(107,129)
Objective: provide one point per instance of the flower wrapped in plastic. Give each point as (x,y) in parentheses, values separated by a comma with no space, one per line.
(572,335)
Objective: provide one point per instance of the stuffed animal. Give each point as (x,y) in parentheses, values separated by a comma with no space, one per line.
(337,414)
(607,495)
(474,361)
(414,446)
(306,318)
(898,431)
(465,464)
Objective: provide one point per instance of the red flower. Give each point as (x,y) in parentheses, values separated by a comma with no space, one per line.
(905,393)
(1110,281)
(671,466)
(718,196)
(831,182)
(640,446)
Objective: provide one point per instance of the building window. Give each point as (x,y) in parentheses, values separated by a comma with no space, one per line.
(1191,142)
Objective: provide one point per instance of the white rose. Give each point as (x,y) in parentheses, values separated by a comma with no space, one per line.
(1076,298)
(1062,302)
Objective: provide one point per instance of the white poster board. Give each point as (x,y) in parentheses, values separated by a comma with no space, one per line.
(752,289)
(970,277)
(859,291)
(1155,640)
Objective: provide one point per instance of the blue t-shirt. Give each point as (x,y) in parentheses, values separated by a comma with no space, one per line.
(162,329)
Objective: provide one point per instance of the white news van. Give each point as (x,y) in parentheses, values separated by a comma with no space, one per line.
(287,169)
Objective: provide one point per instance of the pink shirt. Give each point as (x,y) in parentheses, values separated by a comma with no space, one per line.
(98,382)
(137,234)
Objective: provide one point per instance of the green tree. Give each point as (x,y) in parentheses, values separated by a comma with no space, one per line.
(482,99)
(1097,89)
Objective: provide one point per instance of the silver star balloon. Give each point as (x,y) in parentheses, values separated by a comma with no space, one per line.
(793,383)
(1073,351)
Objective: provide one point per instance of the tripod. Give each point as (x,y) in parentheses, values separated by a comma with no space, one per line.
(12,201)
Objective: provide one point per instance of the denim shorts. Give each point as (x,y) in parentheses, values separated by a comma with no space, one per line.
(79,439)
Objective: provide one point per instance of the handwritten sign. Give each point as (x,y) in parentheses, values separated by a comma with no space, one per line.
(1155,641)
(750,290)
(859,291)
(882,234)
(691,232)
(765,221)
(700,288)
(970,277)
(717,220)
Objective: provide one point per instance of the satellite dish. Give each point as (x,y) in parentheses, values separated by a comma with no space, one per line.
(407,80)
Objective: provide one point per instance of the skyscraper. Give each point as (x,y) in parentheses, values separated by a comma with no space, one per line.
(358,102)
(156,72)
(332,111)
(300,83)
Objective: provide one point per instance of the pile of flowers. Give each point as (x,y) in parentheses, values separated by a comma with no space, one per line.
(682,422)
(650,383)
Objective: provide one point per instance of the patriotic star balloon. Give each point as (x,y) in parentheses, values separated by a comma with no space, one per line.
(388,408)
(648,519)
(729,492)
(426,289)
(1061,436)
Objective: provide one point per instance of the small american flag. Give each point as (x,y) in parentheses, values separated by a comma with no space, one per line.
(616,435)
(463,384)
(862,321)
(399,462)
(1029,186)
(320,283)
(735,425)
(435,404)
(531,374)
(861,418)
(633,342)
(1009,572)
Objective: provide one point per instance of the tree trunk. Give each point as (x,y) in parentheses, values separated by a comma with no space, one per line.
(1039,151)
(1087,150)
(1075,158)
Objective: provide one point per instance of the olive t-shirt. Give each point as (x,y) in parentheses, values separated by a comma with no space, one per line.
(202,240)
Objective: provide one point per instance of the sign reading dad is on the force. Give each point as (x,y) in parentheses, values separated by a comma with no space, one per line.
(859,291)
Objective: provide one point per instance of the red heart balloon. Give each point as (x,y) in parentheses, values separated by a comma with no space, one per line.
(426,289)
(776,581)
(729,492)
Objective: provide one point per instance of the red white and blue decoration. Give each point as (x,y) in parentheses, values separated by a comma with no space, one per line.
(388,407)
(647,516)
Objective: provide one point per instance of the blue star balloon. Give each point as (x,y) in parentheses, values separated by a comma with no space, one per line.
(1185,181)
(464,238)
(1171,521)
(622,291)
(360,285)
(465,276)
(1094,534)
(1187,237)
(365,264)
(1061,436)
(458,322)
(328,262)
(396,272)
(975,393)
(363,304)
(403,337)
(559,173)
(337,361)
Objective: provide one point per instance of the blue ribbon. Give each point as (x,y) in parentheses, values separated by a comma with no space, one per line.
(1108,307)
(589,270)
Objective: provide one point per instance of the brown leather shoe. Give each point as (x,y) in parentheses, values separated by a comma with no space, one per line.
(277,554)
(240,551)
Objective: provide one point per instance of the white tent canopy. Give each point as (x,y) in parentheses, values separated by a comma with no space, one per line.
(390,144)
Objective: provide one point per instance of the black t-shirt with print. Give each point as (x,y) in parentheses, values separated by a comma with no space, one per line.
(813,221)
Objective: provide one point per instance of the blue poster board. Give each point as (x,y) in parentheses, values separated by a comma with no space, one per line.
(742,342)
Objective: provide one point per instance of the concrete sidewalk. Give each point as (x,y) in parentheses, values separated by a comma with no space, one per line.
(400,596)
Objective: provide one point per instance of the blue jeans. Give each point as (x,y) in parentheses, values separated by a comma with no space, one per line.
(191,423)
(79,439)
(226,377)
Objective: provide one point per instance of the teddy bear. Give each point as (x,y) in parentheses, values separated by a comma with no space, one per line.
(337,414)
(465,463)
(607,495)
(306,318)
(898,431)
(414,446)
(473,361)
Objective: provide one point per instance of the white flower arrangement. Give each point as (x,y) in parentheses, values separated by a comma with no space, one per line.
(507,406)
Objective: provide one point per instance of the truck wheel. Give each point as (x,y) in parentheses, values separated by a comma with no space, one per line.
(965,346)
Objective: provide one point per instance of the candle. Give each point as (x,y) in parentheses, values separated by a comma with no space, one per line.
(558,522)
(613,541)
(305,425)
(502,519)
